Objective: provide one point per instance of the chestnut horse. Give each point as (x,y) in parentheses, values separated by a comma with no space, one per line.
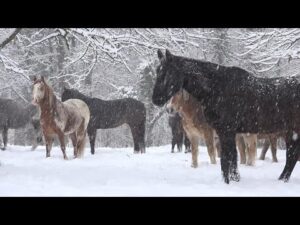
(196,126)
(61,118)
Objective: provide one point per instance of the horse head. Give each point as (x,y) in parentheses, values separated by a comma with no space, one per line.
(39,90)
(169,79)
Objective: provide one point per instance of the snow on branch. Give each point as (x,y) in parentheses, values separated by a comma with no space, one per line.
(9,37)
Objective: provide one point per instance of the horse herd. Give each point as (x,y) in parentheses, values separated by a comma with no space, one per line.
(232,101)
(227,106)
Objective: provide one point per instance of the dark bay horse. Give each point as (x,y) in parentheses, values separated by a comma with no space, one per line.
(111,114)
(61,118)
(235,101)
(178,134)
(13,115)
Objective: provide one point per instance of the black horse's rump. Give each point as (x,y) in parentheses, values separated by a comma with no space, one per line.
(111,114)
(178,134)
(13,116)
(234,101)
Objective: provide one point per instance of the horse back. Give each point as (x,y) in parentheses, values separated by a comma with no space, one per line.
(114,113)
(80,108)
(252,104)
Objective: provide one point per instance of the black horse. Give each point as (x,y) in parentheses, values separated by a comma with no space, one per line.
(235,101)
(13,116)
(111,114)
(178,133)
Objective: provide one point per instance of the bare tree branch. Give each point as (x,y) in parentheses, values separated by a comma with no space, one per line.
(10,38)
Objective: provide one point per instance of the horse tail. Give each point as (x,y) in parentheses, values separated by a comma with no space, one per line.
(81,144)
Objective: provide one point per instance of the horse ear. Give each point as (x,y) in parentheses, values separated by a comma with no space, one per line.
(42,78)
(160,55)
(168,55)
(34,78)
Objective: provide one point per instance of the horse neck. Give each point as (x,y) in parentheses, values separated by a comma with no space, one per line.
(193,85)
(188,107)
(48,105)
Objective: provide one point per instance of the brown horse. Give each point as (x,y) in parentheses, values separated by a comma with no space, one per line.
(194,124)
(247,146)
(61,118)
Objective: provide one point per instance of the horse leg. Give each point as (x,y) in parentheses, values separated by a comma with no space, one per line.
(61,138)
(173,143)
(4,136)
(49,141)
(273,141)
(251,148)
(209,140)
(292,155)
(136,138)
(179,141)
(217,144)
(264,149)
(142,129)
(241,147)
(228,157)
(194,142)
(138,135)
(92,132)
(74,143)
(187,144)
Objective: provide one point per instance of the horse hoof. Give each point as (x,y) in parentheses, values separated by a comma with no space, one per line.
(194,165)
(3,149)
(276,160)
(235,177)
(226,180)
(284,178)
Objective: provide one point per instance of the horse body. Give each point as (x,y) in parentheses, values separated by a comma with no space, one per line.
(249,100)
(235,101)
(194,124)
(61,118)
(14,116)
(111,114)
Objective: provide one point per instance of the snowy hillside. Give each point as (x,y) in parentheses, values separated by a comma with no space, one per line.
(119,172)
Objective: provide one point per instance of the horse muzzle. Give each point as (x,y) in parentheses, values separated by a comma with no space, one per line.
(34,102)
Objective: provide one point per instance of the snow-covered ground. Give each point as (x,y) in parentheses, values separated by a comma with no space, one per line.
(119,172)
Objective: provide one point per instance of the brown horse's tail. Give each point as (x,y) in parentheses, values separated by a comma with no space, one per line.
(80,145)
(81,140)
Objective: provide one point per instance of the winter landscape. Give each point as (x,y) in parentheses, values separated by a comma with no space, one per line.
(113,93)
(119,172)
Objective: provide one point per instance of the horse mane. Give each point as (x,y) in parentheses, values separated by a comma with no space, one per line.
(76,94)
(203,67)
